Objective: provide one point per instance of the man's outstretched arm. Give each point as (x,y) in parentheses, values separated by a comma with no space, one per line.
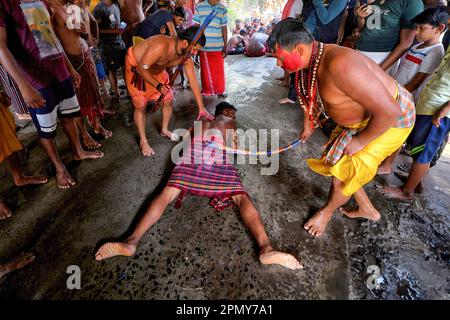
(195,87)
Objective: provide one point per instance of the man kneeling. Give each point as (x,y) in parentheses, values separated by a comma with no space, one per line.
(217,179)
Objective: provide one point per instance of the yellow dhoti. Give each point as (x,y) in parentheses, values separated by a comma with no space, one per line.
(359,169)
(8,139)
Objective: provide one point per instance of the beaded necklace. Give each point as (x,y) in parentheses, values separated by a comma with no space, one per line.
(307,87)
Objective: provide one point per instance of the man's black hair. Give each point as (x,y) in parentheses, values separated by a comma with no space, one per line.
(288,33)
(222,106)
(434,16)
(243,32)
(179,12)
(189,35)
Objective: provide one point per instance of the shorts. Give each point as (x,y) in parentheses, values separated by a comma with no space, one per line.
(426,139)
(61,102)
(114,57)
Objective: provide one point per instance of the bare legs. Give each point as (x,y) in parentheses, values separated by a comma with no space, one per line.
(267,254)
(16,263)
(114,85)
(88,141)
(386,166)
(151,216)
(5,212)
(139,120)
(248,212)
(317,224)
(417,172)
(167,110)
(64,179)
(18,172)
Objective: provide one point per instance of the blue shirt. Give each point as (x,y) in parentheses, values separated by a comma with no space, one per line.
(324,21)
(213,33)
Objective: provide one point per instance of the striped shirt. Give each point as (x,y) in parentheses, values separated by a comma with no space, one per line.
(213,33)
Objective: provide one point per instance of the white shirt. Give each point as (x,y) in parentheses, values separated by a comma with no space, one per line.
(415,60)
(297,9)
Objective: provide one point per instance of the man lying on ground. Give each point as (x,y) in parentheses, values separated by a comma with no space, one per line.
(214,177)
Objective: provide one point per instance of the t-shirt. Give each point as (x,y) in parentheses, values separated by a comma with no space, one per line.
(213,33)
(382,30)
(437,91)
(257,42)
(416,60)
(110,19)
(151,26)
(297,8)
(32,41)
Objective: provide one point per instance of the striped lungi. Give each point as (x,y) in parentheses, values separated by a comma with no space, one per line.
(18,104)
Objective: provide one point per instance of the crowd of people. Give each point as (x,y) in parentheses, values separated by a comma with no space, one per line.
(375,71)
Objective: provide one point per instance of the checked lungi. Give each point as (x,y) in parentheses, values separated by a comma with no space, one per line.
(206,172)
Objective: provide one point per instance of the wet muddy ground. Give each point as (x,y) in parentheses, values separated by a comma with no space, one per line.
(196,253)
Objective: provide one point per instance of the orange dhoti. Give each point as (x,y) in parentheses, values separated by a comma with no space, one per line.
(8,139)
(142,92)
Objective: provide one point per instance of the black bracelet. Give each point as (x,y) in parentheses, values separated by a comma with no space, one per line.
(159,86)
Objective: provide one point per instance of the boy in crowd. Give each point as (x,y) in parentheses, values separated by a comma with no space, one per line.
(421,60)
(431,128)
(107,14)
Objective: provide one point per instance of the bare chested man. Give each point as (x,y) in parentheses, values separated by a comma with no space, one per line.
(216,179)
(132,13)
(147,79)
(375,115)
(65,22)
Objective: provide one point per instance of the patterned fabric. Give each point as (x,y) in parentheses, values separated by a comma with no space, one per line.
(213,33)
(206,172)
(12,90)
(341,137)
(88,92)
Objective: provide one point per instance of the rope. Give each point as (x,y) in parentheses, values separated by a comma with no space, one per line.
(293,145)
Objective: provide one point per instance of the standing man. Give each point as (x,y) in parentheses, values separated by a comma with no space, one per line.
(147,79)
(372,124)
(215,51)
(107,14)
(32,54)
(132,12)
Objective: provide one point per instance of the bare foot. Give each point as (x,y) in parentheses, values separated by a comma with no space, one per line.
(89,142)
(371,214)
(5,212)
(83,155)
(111,111)
(285,100)
(382,170)
(103,132)
(16,263)
(146,150)
(317,224)
(283,259)
(172,136)
(112,249)
(65,181)
(27,180)
(395,193)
